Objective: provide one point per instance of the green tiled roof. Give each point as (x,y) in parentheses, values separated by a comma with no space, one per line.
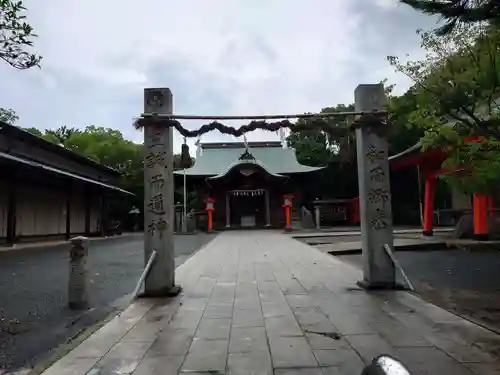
(242,163)
(215,160)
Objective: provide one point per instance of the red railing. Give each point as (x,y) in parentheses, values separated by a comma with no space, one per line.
(353,215)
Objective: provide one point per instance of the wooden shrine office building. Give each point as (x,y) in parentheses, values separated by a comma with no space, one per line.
(248,182)
(49,192)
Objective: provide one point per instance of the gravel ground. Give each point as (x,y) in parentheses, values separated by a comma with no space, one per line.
(464,282)
(33,293)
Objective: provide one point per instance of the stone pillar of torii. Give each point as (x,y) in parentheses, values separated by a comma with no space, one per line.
(374,190)
(159,197)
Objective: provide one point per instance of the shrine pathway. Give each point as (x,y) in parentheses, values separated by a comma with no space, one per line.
(263,303)
(34,318)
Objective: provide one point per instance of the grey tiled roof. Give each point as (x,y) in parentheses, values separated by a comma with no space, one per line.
(59,172)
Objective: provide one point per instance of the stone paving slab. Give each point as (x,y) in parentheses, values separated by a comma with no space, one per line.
(263,303)
(41,245)
(348,231)
(400,244)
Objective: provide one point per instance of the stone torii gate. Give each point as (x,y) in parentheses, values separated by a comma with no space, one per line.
(374,191)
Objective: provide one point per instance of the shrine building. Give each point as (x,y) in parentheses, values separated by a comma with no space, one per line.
(48,192)
(248,182)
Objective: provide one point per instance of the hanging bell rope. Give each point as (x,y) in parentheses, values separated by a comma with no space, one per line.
(185,157)
(345,153)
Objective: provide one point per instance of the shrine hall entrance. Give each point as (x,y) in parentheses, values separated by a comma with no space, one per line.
(248,208)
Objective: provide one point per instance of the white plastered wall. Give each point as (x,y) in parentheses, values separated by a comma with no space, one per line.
(77,212)
(40,211)
(95,214)
(460,201)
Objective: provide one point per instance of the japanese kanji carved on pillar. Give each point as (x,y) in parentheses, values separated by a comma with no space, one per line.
(374,188)
(159,196)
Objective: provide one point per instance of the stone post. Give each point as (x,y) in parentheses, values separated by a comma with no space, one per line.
(374,189)
(317,215)
(77,285)
(228,211)
(159,196)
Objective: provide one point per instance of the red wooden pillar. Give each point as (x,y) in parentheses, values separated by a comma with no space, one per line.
(491,206)
(430,193)
(480,208)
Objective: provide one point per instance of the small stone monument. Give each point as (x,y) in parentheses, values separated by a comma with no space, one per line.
(464,228)
(191,222)
(77,286)
(307,221)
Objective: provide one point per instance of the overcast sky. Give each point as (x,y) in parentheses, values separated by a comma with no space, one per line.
(217,56)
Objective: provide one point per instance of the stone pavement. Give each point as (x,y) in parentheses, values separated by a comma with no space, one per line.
(353,245)
(261,302)
(342,231)
(34,318)
(41,245)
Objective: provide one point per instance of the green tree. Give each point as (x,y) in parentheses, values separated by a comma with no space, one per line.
(34,131)
(457,92)
(456,12)
(15,36)
(104,145)
(8,116)
(317,148)
(312,148)
(60,135)
(401,134)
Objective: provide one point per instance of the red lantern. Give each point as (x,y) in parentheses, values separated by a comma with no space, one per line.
(210,208)
(287,205)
